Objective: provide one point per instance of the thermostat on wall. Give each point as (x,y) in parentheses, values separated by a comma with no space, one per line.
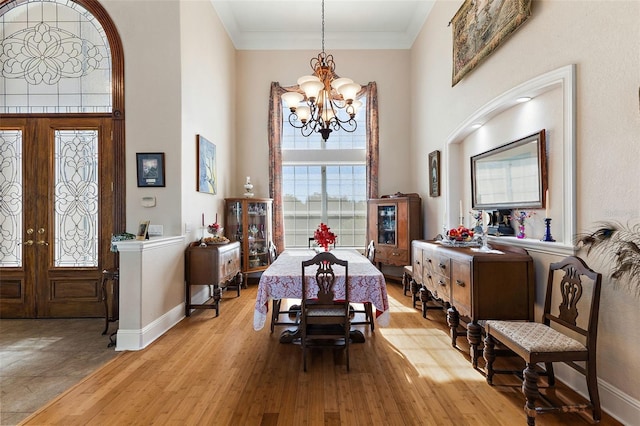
(148,201)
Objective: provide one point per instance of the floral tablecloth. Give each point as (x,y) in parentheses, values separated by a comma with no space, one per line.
(283,280)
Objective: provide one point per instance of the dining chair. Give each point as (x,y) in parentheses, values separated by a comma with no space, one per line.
(276,305)
(325,320)
(570,340)
(367,309)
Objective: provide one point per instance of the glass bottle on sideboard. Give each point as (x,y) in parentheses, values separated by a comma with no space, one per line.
(248,220)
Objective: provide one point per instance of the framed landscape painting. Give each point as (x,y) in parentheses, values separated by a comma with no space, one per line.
(207,173)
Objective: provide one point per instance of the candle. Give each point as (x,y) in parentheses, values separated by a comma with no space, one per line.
(216,217)
(546,213)
(202,219)
(461,215)
(248,179)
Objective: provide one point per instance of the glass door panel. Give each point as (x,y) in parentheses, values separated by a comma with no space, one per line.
(387,224)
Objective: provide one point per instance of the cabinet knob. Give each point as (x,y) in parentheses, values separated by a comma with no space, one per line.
(442,283)
(460,283)
(442,265)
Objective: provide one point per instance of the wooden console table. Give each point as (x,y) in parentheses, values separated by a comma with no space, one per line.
(212,265)
(476,286)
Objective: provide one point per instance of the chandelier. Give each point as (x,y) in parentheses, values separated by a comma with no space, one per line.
(329,103)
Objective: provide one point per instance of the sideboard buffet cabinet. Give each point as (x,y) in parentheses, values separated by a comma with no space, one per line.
(393,222)
(248,221)
(214,265)
(476,286)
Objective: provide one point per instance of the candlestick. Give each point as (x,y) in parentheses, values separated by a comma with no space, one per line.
(546,212)
(547,235)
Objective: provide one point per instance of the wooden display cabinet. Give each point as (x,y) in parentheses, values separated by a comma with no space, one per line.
(392,223)
(249,221)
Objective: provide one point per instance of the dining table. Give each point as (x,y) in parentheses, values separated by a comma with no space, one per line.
(283,280)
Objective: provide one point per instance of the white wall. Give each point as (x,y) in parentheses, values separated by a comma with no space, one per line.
(150,34)
(601,38)
(256,71)
(208,108)
(179,82)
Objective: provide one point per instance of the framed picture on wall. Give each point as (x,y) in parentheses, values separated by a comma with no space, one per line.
(434,174)
(150,166)
(207,173)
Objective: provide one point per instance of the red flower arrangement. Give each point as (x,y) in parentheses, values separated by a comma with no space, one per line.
(324,236)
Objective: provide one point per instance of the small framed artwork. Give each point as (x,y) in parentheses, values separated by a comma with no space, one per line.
(150,168)
(143,230)
(207,173)
(434,174)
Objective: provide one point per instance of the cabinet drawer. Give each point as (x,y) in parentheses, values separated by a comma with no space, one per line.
(439,286)
(392,255)
(229,265)
(417,264)
(437,264)
(461,287)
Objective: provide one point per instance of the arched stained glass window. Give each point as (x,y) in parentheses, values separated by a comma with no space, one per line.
(54,58)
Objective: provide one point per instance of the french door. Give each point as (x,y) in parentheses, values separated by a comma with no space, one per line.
(56,215)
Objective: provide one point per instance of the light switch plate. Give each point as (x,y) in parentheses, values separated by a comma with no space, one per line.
(156,230)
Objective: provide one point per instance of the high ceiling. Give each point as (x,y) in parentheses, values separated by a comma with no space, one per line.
(297,24)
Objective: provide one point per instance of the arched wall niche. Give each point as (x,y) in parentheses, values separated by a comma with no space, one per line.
(553,107)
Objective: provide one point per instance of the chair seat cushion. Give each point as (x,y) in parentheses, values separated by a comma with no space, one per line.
(535,337)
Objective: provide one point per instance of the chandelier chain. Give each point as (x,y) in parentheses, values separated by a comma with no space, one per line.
(330,103)
(322,26)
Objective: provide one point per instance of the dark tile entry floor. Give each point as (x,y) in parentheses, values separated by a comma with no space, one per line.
(41,358)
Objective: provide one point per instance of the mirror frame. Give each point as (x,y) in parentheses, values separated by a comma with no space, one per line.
(540,201)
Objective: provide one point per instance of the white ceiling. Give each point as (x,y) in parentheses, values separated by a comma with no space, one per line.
(297,24)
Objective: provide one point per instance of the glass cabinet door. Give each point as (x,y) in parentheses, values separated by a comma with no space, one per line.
(387,224)
(234,221)
(257,234)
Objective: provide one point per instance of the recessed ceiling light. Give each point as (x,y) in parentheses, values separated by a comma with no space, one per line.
(523,99)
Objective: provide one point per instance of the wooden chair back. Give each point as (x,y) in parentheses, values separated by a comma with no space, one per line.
(273,252)
(565,290)
(371,251)
(325,319)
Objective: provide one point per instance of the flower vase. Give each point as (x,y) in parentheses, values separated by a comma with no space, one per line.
(521,233)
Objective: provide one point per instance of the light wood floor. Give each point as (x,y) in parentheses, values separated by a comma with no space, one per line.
(219,371)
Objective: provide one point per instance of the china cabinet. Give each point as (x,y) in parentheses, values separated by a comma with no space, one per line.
(248,221)
(393,222)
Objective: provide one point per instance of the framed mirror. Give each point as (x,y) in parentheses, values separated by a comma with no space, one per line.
(511,176)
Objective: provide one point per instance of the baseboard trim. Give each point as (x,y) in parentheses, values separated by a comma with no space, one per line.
(614,402)
(135,340)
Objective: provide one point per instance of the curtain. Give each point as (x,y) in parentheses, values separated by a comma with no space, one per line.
(275,151)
